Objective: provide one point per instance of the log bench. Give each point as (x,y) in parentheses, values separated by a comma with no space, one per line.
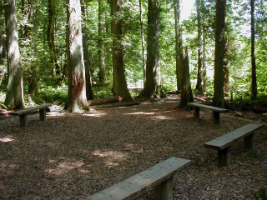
(223,143)
(215,111)
(158,177)
(23,114)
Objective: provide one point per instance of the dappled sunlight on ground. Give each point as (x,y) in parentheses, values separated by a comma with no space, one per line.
(112,157)
(7,138)
(63,167)
(140,113)
(74,155)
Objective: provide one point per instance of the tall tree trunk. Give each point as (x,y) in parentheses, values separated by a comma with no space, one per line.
(225,66)
(2,37)
(218,99)
(186,91)
(51,35)
(75,61)
(143,40)
(254,94)
(2,42)
(152,83)
(178,42)
(101,31)
(204,71)
(14,93)
(87,63)
(119,80)
(201,65)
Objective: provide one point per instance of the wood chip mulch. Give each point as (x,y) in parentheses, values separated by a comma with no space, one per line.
(72,156)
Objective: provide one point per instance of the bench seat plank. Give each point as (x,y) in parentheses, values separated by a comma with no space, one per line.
(134,186)
(212,108)
(227,139)
(28,110)
(215,111)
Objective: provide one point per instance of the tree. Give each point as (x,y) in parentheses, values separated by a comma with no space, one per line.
(143,39)
(75,61)
(101,31)
(201,75)
(51,34)
(186,91)
(218,98)
(87,63)
(254,94)
(14,93)
(119,80)
(178,42)
(152,82)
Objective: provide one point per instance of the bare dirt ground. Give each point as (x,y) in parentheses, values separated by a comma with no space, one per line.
(72,156)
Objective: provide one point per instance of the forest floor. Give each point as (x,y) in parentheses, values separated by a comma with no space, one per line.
(72,156)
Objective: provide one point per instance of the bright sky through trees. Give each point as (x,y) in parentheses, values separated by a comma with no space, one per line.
(186,8)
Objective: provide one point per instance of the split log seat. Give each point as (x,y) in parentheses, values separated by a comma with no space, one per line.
(215,111)
(23,114)
(223,143)
(159,178)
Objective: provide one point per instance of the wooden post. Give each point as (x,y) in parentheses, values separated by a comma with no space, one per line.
(249,142)
(23,120)
(196,112)
(224,157)
(216,117)
(42,113)
(164,190)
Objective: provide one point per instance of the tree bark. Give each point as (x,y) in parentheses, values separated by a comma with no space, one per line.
(178,42)
(186,91)
(218,99)
(87,63)
(14,94)
(201,64)
(101,31)
(75,61)
(51,36)
(143,40)
(254,94)
(119,80)
(152,83)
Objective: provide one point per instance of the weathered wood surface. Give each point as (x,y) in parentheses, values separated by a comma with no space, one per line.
(29,110)
(212,108)
(136,185)
(104,100)
(227,139)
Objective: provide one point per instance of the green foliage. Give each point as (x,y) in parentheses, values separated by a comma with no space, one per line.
(263,194)
(51,94)
(102,91)
(2,106)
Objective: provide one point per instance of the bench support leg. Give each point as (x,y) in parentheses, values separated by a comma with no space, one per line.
(23,120)
(224,157)
(249,142)
(42,113)
(196,112)
(164,190)
(216,117)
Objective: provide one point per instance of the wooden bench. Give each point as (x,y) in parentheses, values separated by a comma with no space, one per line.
(158,177)
(23,114)
(223,143)
(215,111)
